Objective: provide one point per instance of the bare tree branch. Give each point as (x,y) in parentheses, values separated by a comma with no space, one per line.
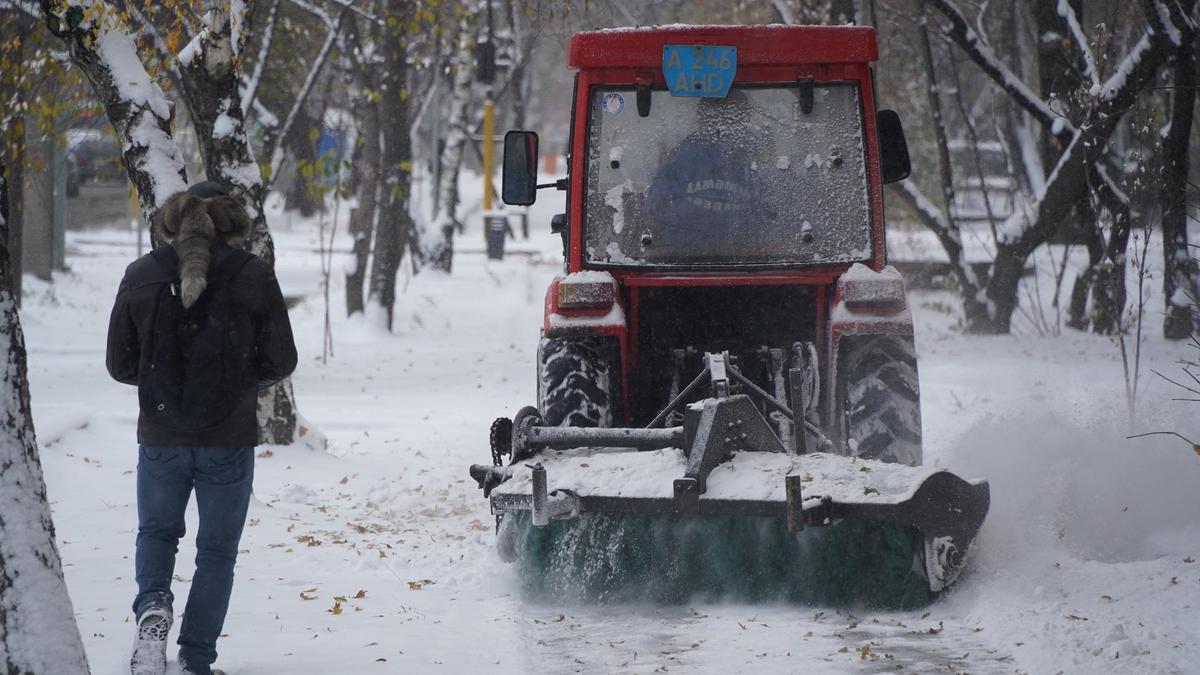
(264,52)
(302,96)
(976,48)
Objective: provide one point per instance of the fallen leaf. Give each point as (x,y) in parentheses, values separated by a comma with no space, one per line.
(868,490)
(865,651)
(336,609)
(360,595)
(309,594)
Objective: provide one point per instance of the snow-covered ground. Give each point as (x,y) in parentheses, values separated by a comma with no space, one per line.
(375,554)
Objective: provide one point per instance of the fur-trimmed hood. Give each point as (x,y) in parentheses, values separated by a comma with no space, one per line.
(192,223)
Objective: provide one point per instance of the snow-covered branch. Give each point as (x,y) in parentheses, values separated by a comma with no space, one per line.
(972,44)
(1079,40)
(1137,69)
(102,47)
(250,90)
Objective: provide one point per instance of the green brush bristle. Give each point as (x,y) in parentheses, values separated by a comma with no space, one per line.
(674,559)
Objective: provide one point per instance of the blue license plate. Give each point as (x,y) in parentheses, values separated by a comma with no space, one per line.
(699,70)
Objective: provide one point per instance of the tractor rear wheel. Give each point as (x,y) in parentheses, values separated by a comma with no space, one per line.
(577,380)
(882,398)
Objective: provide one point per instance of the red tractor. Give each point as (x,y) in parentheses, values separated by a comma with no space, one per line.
(726,341)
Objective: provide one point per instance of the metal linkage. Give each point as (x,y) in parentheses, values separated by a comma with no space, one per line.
(712,434)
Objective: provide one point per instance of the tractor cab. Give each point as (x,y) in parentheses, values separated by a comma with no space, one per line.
(722,148)
(724,178)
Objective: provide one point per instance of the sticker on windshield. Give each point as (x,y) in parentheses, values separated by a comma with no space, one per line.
(613,103)
(699,70)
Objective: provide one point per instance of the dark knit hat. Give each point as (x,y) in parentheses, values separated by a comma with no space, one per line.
(207,189)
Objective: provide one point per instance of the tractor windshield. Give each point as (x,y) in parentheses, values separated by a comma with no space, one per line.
(765,176)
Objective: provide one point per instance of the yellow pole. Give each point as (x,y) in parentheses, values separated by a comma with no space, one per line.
(489,151)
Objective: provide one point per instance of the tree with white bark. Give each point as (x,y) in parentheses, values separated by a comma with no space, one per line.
(38,632)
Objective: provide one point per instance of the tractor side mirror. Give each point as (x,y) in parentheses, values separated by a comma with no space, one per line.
(519,181)
(893,149)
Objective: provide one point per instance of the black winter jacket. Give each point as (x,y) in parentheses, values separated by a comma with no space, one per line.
(254,290)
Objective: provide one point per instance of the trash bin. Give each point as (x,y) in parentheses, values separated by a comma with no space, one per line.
(495,229)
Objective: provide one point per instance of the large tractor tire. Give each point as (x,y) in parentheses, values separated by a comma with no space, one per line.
(577,380)
(882,398)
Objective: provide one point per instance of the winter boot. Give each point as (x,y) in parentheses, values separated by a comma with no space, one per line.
(150,647)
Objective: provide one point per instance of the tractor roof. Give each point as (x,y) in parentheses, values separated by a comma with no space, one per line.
(756,45)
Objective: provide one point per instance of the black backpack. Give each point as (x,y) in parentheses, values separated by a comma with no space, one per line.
(191,378)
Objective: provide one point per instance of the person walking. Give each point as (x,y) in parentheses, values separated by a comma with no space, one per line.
(199,326)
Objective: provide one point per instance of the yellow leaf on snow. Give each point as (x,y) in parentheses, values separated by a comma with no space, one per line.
(309,593)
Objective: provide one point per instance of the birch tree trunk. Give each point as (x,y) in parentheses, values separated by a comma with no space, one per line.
(439,250)
(38,632)
(363,221)
(19,25)
(210,69)
(1180,279)
(395,227)
(363,37)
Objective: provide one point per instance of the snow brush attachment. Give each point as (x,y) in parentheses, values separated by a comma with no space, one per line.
(719,508)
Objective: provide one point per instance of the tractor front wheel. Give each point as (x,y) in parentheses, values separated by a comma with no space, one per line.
(882,398)
(577,380)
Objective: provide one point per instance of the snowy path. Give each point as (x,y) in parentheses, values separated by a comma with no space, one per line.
(1084,565)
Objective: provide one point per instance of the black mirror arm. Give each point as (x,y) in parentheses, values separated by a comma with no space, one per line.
(560,185)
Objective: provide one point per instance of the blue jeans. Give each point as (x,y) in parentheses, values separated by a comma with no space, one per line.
(222,478)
